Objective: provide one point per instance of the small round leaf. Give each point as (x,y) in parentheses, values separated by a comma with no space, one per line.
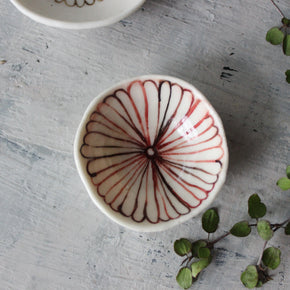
(210,220)
(256,208)
(286,45)
(284,183)
(271,257)
(250,277)
(275,36)
(184,278)
(203,252)
(264,230)
(241,229)
(195,247)
(287,73)
(198,266)
(287,229)
(182,247)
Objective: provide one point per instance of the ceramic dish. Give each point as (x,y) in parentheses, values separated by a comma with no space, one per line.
(77,14)
(151,152)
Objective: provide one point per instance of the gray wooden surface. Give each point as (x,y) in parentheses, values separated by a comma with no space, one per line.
(51,234)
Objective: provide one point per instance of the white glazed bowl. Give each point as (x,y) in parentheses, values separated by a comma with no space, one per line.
(151,152)
(101,13)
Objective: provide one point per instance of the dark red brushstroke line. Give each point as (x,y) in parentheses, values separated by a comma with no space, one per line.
(141,160)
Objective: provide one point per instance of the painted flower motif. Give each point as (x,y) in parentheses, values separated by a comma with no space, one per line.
(153,151)
(77,3)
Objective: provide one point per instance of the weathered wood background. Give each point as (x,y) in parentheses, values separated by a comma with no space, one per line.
(51,234)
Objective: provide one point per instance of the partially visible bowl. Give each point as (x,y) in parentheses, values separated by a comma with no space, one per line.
(151,152)
(77,14)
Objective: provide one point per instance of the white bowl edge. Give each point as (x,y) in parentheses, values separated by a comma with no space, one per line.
(126,221)
(73,25)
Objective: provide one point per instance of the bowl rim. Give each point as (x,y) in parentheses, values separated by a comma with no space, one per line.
(98,201)
(71,24)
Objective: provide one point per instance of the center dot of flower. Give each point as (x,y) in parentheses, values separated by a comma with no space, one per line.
(150,151)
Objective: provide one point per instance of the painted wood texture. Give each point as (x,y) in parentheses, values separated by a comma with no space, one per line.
(51,234)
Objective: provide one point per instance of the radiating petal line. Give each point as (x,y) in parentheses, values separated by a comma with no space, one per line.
(193,130)
(146,114)
(196,160)
(136,170)
(151,88)
(138,200)
(135,107)
(116,125)
(162,184)
(195,167)
(152,210)
(153,151)
(126,165)
(178,179)
(112,139)
(187,153)
(181,122)
(162,127)
(126,104)
(95,126)
(120,178)
(127,196)
(130,124)
(182,169)
(178,147)
(203,137)
(135,158)
(174,193)
(186,196)
(115,132)
(174,114)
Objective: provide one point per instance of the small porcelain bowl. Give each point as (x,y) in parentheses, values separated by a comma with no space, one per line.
(77,14)
(151,152)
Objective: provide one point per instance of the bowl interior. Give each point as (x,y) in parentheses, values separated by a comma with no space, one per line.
(151,152)
(59,14)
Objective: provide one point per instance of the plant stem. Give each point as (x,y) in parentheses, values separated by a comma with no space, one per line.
(280,11)
(260,258)
(278,226)
(220,238)
(184,260)
(252,225)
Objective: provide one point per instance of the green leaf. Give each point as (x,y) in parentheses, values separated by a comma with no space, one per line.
(184,278)
(286,44)
(182,247)
(287,73)
(210,220)
(198,266)
(264,230)
(288,167)
(284,183)
(275,36)
(286,21)
(250,277)
(203,252)
(195,247)
(287,229)
(241,229)
(256,208)
(271,257)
